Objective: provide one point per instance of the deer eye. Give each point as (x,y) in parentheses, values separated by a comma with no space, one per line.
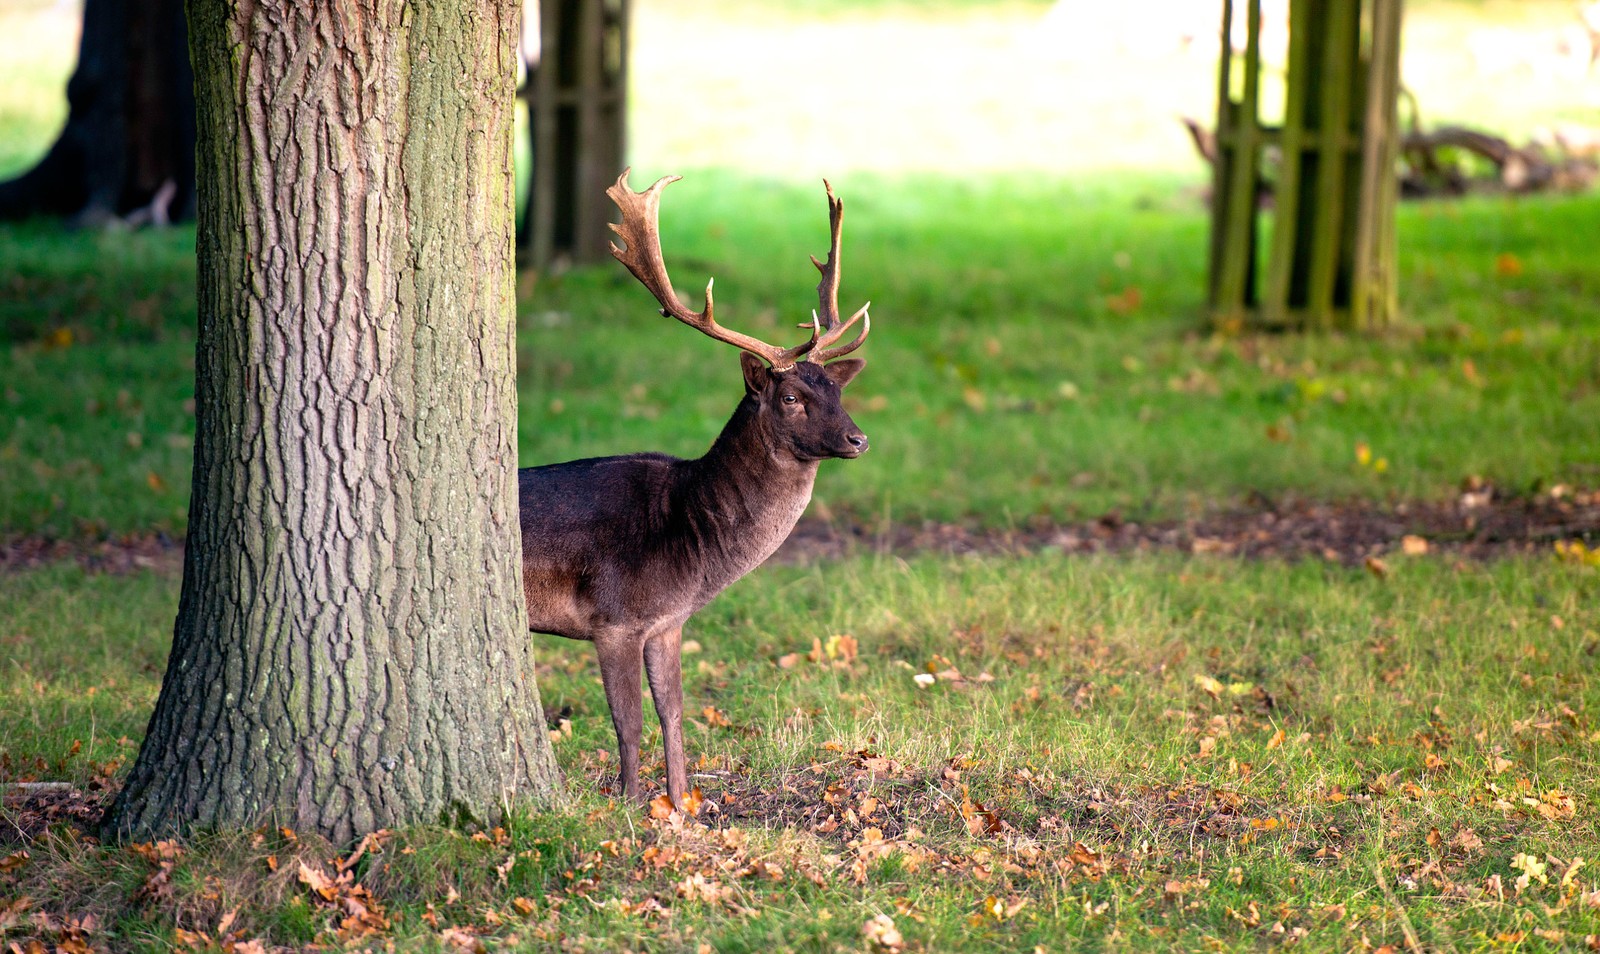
(790,399)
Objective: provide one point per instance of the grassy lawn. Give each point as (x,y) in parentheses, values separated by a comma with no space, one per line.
(1022,363)
(1152,752)
(1155,751)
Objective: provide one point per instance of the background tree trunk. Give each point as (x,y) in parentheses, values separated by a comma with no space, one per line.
(351,648)
(129,139)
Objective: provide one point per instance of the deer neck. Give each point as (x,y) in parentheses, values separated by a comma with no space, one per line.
(747,494)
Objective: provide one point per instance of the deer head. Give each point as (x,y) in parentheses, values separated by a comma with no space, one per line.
(796,392)
(801,412)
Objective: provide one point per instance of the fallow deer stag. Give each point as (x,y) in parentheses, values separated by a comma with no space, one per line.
(621,551)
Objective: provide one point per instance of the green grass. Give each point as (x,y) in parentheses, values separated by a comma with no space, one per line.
(96,413)
(37,50)
(1177,752)
(1012,373)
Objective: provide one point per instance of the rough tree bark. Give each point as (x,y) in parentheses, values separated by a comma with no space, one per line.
(350,650)
(128,143)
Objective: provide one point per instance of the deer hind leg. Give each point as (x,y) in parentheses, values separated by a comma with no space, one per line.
(663,663)
(619,673)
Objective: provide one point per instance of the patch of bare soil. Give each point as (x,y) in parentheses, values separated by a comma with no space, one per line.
(124,554)
(1480,523)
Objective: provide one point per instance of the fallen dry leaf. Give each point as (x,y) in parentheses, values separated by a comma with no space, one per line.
(698,887)
(842,647)
(318,882)
(1125,302)
(980,820)
(460,939)
(1003,909)
(881,933)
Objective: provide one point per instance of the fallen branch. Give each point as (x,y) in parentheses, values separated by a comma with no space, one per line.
(1428,170)
(41,788)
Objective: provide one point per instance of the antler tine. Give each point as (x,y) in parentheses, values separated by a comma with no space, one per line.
(640,232)
(827,329)
(823,354)
(828,287)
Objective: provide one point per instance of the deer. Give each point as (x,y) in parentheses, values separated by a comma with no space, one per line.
(622,551)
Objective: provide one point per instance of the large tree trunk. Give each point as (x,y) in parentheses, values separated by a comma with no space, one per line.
(129,139)
(351,646)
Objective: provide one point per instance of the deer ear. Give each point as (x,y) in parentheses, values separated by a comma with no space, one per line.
(756,375)
(843,372)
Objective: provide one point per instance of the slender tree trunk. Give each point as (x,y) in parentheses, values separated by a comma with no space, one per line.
(351,646)
(129,139)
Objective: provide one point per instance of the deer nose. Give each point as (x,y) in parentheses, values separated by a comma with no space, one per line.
(858,441)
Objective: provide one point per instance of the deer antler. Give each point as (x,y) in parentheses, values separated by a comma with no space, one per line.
(640,231)
(828,328)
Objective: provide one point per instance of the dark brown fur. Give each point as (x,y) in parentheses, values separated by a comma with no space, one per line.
(621,551)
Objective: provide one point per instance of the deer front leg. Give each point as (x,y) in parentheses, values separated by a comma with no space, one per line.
(619,673)
(663,663)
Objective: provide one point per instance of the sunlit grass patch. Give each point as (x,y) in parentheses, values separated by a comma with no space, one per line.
(37,48)
(81,658)
(1038,353)
(1225,747)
